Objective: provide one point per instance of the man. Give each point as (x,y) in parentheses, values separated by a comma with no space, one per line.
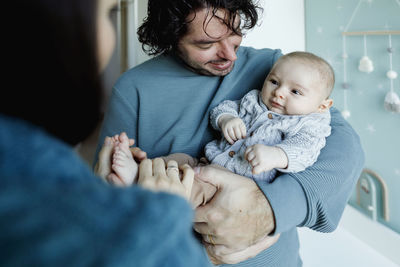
(164,105)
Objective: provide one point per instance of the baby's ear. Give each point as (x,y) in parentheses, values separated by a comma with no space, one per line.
(325,105)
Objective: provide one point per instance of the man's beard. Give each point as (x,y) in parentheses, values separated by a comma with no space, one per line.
(199,69)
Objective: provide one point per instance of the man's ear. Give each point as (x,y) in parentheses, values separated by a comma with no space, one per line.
(325,105)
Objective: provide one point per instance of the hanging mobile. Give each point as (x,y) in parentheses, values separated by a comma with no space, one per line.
(345,85)
(366,64)
(392,100)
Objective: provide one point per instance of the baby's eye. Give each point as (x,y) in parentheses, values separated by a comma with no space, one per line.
(273,81)
(296,92)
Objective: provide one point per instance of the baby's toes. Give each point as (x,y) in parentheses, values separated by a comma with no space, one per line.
(124,149)
(119,159)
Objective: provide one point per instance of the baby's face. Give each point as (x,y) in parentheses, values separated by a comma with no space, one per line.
(293,88)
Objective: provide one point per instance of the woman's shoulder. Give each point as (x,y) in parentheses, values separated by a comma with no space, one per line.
(28,150)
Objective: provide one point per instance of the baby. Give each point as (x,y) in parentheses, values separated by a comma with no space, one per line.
(283,127)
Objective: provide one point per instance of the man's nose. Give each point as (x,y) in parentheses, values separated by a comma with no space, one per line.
(227,50)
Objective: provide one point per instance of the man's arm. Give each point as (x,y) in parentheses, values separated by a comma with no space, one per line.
(326,185)
(314,198)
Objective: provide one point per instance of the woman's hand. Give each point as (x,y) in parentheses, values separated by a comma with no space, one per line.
(154,176)
(103,165)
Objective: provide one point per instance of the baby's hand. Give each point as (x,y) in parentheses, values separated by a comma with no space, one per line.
(260,158)
(233,128)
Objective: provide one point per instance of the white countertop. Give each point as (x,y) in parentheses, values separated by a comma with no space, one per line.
(348,245)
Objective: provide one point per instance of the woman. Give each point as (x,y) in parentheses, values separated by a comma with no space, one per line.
(53,210)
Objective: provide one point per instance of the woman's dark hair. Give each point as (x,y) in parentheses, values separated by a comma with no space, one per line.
(52,76)
(166,20)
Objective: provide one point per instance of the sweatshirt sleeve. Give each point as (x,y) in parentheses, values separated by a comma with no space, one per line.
(316,197)
(228,107)
(88,223)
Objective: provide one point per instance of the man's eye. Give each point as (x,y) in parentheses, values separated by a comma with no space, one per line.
(204,46)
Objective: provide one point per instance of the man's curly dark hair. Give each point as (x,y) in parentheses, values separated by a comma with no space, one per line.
(166,21)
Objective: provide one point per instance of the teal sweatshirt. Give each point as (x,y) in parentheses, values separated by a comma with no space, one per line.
(55,212)
(165,108)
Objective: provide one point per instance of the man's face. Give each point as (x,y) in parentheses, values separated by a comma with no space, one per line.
(212,52)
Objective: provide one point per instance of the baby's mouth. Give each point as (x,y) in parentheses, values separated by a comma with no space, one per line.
(275,104)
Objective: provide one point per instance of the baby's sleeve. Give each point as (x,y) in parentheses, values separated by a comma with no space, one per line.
(303,144)
(228,107)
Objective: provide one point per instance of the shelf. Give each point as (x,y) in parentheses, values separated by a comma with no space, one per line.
(371,33)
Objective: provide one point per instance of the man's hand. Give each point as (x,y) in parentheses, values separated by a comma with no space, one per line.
(232,127)
(218,254)
(237,217)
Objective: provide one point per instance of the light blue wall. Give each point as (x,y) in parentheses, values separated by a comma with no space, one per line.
(379,129)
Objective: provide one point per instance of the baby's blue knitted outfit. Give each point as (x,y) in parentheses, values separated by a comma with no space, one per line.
(300,136)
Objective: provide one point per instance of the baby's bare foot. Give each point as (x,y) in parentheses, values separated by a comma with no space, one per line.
(124,166)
